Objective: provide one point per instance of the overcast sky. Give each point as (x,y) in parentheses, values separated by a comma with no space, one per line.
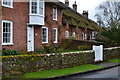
(89,5)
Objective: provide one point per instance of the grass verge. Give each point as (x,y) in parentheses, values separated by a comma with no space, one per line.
(114,60)
(61,72)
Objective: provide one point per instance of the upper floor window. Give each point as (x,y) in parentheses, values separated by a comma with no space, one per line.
(34,7)
(55,35)
(44,35)
(7,3)
(7,32)
(54,13)
(37,7)
(67,34)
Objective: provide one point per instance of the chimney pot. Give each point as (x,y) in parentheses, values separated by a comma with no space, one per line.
(75,6)
(67,2)
(85,13)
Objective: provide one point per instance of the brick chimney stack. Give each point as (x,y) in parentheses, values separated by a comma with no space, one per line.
(75,6)
(85,13)
(67,2)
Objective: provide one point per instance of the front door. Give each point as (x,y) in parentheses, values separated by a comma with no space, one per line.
(30,38)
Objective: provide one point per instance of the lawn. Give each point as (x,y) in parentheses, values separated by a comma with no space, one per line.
(61,72)
(114,60)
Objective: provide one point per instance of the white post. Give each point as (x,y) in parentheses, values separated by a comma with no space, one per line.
(98,52)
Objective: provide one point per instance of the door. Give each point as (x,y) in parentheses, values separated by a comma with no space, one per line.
(30,38)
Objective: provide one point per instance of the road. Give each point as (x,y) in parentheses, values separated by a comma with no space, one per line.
(112,74)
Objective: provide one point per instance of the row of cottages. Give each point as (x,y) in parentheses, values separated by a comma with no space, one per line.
(34,24)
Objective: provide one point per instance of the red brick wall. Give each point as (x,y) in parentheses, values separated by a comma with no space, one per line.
(0,26)
(78,31)
(50,23)
(19,16)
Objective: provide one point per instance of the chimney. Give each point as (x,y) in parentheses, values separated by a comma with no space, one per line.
(67,2)
(75,6)
(85,13)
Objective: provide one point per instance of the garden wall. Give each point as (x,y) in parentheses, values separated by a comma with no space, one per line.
(111,53)
(14,65)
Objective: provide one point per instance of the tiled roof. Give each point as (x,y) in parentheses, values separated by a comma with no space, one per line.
(76,19)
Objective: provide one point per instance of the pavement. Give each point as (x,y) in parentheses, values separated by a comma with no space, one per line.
(106,65)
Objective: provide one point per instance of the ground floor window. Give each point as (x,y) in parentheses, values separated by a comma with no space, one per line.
(44,35)
(55,35)
(67,34)
(83,36)
(7,32)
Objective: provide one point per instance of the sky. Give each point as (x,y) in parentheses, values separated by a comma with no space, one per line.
(89,5)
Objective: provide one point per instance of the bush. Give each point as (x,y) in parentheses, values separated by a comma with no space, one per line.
(10,52)
(41,51)
(52,48)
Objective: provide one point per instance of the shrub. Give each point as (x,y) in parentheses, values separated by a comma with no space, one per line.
(41,51)
(10,52)
(52,48)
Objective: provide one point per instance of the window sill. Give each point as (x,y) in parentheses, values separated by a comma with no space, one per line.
(8,6)
(5,44)
(55,19)
(44,42)
(55,42)
(36,15)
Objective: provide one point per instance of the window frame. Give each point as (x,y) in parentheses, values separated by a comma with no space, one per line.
(38,8)
(74,34)
(56,16)
(67,34)
(83,36)
(56,35)
(11,37)
(46,34)
(8,6)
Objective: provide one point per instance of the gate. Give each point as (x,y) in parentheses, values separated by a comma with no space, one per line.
(98,52)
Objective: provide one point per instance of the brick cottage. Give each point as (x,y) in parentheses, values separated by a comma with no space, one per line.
(34,24)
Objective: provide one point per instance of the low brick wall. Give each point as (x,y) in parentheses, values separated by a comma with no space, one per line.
(111,53)
(14,65)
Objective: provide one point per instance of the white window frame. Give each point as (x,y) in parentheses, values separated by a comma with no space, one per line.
(9,6)
(67,34)
(46,35)
(74,34)
(55,17)
(83,36)
(11,37)
(56,35)
(38,8)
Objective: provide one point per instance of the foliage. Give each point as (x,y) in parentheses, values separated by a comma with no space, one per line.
(110,37)
(10,52)
(41,51)
(53,48)
(108,14)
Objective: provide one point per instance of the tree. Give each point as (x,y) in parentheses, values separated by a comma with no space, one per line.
(109,37)
(108,14)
